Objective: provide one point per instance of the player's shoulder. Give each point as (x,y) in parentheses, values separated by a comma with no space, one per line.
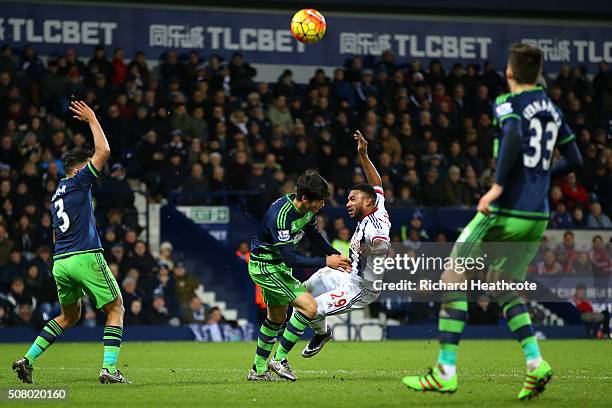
(281,210)
(506,106)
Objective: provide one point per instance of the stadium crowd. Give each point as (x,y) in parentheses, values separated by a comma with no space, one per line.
(196,126)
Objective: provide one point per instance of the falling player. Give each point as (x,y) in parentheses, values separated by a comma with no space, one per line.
(273,255)
(337,292)
(515,209)
(79,266)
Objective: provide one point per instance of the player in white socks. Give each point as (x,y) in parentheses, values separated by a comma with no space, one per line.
(338,292)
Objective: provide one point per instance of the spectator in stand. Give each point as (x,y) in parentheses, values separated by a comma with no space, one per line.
(280,115)
(560,218)
(584,306)
(342,241)
(483,312)
(142,260)
(573,192)
(454,190)
(186,285)
(4,316)
(120,68)
(158,314)
(602,265)
(165,255)
(26,316)
(597,219)
(549,265)
(196,313)
(243,251)
(6,246)
(578,218)
(134,315)
(130,292)
(568,249)
(583,266)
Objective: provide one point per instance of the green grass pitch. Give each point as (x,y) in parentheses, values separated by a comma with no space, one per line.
(357,374)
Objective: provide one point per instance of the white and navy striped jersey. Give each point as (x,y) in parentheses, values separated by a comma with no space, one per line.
(373,226)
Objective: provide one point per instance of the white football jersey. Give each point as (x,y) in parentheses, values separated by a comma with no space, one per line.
(373,226)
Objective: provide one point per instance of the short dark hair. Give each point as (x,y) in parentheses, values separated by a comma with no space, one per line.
(526,62)
(74,158)
(367,189)
(312,186)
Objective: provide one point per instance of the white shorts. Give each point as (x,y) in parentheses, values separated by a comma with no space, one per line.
(338,292)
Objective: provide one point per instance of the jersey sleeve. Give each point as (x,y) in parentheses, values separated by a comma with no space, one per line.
(380,197)
(86,176)
(376,228)
(280,229)
(503,110)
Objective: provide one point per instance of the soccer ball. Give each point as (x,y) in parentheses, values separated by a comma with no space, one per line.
(308,26)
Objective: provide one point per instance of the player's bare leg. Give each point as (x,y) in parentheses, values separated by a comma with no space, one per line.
(53,329)
(113,334)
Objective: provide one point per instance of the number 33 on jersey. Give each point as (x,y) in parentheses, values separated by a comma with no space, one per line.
(542,127)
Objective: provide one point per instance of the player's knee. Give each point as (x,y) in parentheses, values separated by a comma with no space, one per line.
(118,307)
(310,309)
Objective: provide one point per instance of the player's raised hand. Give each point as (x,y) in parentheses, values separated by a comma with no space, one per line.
(82,112)
(339,262)
(362,144)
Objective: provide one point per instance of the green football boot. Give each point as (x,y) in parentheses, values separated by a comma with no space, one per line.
(536,381)
(432,381)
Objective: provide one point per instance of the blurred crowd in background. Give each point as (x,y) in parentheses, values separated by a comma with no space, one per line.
(192,128)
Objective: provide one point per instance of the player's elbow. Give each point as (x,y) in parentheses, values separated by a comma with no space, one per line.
(101,155)
(291,262)
(105,152)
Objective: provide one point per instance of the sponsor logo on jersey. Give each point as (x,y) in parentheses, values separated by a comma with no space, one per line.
(298,237)
(284,235)
(504,109)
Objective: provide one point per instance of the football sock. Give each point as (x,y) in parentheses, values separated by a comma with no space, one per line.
(265,341)
(518,319)
(46,338)
(452,318)
(112,345)
(319,325)
(293,332)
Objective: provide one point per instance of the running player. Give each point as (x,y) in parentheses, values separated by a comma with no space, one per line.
(337,292)
(273,256)
(516,210)
(79,266)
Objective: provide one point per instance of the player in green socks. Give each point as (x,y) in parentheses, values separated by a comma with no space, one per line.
(514,210)
(79,266)
(273,257)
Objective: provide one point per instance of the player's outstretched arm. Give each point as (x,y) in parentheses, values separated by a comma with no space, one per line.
(102,149)
(368,167)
